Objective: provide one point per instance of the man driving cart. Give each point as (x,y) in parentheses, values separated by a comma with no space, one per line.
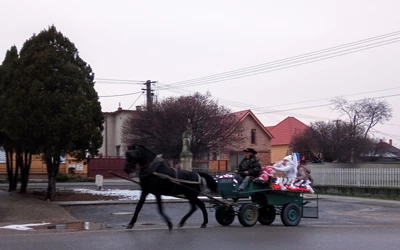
(249,168)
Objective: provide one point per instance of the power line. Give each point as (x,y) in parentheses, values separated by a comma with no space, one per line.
(393,136)
(245,105)
(324,105)
(118,80)
(134,93)
(132,105)
(329,98)
(294,57)
(119,83)
(301,115)
(391,124)
(135,101)
(275,68)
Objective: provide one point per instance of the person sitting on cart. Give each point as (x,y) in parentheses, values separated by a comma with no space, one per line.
(304,172)
(249,168)
(288,167)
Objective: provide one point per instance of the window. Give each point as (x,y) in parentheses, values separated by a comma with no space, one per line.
(297,131)
(118,150)
(235,159)
(253,136)
(2,155)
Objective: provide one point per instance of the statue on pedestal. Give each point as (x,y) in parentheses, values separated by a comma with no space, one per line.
(187,137)
(186,155)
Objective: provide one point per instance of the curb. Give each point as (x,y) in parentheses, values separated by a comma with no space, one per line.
(117,202)
(121,202)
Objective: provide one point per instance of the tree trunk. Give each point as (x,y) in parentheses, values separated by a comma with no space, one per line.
(25,169)
(53,166)
(12,177)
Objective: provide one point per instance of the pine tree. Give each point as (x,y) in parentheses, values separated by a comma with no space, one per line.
(8,78)
(58,101)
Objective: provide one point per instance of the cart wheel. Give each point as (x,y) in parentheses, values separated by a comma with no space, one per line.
(267,215)
(248,215)
(225,215)
(291,214)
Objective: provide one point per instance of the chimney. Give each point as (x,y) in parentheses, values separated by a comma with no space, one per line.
(139,108)
(119,106)
(380,140)
(390,141)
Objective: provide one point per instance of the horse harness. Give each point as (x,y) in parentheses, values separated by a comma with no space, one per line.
(153,167)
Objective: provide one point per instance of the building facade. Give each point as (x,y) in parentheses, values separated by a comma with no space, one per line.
(113,145)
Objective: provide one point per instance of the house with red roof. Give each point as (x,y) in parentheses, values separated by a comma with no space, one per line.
(252,134)
(283,134)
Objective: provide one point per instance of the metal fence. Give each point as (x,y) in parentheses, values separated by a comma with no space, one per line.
(360,177)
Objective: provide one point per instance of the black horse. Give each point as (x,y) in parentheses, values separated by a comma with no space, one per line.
(151,182)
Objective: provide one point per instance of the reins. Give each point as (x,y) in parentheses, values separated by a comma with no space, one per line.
(176,182)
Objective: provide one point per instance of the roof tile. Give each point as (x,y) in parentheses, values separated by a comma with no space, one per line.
(284,131)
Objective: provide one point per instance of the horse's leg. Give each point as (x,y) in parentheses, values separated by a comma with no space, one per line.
(203,209)
(160,209)
(192,210)
(138,208)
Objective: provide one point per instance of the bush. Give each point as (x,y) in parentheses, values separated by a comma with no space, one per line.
(62,177)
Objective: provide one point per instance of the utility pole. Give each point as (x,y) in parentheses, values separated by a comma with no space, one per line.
(149,94)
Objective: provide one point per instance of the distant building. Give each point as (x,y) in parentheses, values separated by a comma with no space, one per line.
(253,134)
(112,134)
(283,134)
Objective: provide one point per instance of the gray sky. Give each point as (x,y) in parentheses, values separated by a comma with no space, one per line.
(171,41)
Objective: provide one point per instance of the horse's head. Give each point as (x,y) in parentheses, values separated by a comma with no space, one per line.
(137,155)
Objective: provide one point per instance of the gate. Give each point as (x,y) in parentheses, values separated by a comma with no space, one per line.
(102,166)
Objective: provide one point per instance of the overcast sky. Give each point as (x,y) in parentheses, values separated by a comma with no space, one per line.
(172,41)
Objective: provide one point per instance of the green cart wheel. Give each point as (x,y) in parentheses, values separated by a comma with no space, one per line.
(266,215)
(291,214)
(248,215)
(225,215)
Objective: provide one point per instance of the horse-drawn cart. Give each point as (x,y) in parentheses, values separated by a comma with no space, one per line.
(264,204)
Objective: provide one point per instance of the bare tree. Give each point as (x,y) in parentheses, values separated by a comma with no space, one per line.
(161,129)
(363,114)
(331,141)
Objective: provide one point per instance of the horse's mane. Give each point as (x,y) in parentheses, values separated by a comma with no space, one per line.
(146,150)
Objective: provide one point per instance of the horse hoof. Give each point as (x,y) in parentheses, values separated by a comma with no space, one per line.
(180,225)
(170,226)
(203,226)
(129,226)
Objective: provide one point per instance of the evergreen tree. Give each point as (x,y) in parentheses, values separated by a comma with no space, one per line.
(58,101)
(8,78)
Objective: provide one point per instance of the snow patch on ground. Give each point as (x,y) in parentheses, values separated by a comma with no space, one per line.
(123,194)
(23,227)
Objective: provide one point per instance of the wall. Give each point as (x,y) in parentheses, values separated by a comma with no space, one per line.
(39,169)
(112,134)
(262,143)
(278,152)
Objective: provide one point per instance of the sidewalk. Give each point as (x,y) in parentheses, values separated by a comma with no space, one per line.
(108,183)
(20,209)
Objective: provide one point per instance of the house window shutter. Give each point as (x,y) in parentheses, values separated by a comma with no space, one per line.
(253,136)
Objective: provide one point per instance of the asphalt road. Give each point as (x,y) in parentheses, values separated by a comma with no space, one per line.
(344,223)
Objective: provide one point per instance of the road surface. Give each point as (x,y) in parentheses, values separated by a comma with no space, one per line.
(344,223)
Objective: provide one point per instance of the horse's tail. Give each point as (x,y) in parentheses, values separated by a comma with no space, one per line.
(211,183)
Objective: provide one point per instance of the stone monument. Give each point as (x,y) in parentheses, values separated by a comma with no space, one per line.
(186,155)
